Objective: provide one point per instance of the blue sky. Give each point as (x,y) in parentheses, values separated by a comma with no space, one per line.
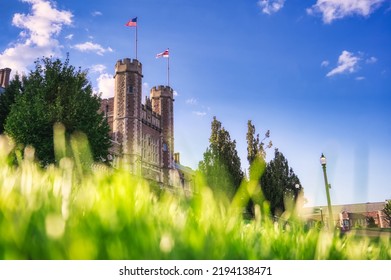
(317,74)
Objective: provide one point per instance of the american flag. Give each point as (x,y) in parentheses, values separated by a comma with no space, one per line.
(132,22)
(163,54)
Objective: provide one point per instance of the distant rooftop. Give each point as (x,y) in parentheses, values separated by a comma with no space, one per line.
(351,208)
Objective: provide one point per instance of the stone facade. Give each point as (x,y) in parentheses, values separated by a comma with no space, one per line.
(4,78)
(143,133)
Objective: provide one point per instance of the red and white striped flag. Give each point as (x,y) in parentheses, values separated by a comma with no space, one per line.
(163,54)
(132,22)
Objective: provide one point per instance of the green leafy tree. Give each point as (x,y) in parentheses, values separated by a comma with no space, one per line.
(55,92)
(256,151)
(221,164)
(8,98)
(255,146)
(387,211)
(371,223)
(279,182)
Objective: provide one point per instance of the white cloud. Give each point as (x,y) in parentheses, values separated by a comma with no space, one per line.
(69,37)
(96,13)
(191,101)
(271,6)
(347,63)
(145,90)
(40,28)
(146,87)
(98,68)
(325,63)
(199,113)
(360,78)
(106,85)
(371,60)
(337,9)
(92,47)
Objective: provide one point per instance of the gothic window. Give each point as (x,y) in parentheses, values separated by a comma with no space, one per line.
(130,89)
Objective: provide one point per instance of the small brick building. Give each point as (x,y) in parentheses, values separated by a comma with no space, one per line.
(349,216)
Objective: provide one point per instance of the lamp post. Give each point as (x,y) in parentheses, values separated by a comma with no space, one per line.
(323,162)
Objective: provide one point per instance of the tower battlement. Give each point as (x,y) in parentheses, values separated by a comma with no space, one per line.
(162,91)
(161,87)
(128,65)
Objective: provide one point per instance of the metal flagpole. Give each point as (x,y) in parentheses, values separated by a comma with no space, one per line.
(133,23)
(168,70)
(136,40)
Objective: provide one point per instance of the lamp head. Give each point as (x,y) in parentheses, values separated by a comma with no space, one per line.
(323,160)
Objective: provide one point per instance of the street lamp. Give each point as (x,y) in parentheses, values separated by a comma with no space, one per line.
(323,162)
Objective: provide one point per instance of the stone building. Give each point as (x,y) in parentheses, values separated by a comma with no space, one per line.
(142,133)
(4,78)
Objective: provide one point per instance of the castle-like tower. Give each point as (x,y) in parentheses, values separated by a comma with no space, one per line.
(127,112)
(163,104)
(142,134)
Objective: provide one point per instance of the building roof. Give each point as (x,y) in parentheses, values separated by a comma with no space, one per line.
(351,208)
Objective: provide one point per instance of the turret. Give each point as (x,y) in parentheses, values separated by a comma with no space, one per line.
(163,104)
(127,111)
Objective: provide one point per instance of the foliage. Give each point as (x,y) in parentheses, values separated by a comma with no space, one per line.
(387,211)
(255,146)
(256,155)
(371,222)
(278,183)
(60,213)
(221,164)
(8,98)
(55,92)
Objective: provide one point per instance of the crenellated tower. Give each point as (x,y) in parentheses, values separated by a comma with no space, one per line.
(127,112)
(163,104)
(143,133)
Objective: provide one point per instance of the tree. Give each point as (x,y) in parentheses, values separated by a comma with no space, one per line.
(387,212)
(256,147)
(55,92)
(8,98)
(221,164)
(256,156)
(371,223)
(278,182)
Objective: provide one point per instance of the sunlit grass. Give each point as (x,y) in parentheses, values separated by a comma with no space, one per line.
(67,212)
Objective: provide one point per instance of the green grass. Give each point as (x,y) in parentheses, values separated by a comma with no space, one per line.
(65,212)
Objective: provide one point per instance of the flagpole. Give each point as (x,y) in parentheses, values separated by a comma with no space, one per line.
(133,23)
(136,40)
(168,70)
